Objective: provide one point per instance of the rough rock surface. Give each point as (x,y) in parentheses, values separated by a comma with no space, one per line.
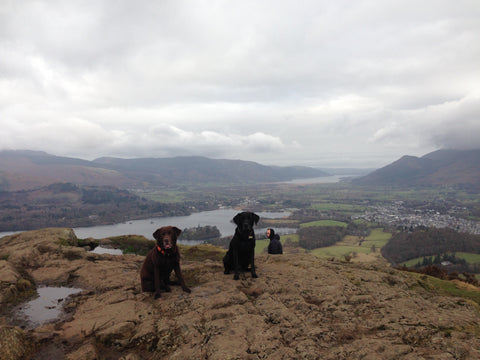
(300,307)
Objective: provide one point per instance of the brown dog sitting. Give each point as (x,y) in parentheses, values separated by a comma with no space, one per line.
(160,262)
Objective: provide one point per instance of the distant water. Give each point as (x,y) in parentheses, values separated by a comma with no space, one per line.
(318,180)
(221,218)
(103,250)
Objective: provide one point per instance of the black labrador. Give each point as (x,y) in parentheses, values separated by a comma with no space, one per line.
(160,261)
(241,251)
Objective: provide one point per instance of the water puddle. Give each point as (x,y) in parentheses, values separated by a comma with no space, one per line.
(104,250)
(48,307)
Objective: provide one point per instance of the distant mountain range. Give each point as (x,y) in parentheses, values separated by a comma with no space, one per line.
(442,167)
(25,169)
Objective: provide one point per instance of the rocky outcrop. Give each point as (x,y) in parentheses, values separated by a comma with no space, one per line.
(300,307)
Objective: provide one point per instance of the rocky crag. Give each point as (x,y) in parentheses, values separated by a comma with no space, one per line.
(300,307)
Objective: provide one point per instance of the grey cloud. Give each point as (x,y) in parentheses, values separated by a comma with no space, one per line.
(270,80)
(458,126)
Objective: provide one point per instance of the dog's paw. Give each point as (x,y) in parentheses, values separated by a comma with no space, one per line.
(236,277)
(157,296)
(254,275)
(168,289)
(186,289)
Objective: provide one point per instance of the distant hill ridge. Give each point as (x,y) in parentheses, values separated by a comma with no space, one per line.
(442,167)
(25,169)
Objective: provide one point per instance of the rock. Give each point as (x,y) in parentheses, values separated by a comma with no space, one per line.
(300,307)
(85,352)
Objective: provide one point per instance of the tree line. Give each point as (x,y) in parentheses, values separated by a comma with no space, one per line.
(425,242)
(200,233)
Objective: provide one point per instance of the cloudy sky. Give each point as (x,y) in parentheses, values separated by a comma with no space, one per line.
(320,83)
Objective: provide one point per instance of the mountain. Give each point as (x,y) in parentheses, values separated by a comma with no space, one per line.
(197,169)
(24,169)
(299,307)
(442,167)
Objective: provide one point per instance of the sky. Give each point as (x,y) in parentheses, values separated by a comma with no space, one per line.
(317,83)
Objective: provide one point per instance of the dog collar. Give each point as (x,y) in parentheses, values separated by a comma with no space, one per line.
(160,250)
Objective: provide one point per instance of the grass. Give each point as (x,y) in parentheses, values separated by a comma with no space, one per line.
(469,258)
(261,246)
(378,237)
(165,196)
(324,223)
(201,252)
(292,239)
(328,206)
(354,244)
(338,251)
(133,244)
(446,287)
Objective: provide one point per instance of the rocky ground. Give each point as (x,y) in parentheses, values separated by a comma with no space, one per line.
(300,307)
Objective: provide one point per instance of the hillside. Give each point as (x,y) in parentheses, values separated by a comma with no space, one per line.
(300,307)
(23,170)
(442,167)
(65,203)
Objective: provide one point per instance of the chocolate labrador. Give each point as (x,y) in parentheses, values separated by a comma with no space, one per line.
(160,261)
(241,251)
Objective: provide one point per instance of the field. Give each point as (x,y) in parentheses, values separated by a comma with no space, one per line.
(324,223)
(355,245)
(469,258)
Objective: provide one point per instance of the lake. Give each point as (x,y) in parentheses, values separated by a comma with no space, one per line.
(221,218)
(319,180)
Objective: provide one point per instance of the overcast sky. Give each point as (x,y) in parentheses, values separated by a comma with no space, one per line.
(320,83)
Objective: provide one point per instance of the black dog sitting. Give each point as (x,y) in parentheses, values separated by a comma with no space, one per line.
(241,251)
(160,261)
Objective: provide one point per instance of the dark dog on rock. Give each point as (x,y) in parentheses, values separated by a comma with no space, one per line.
(241,251)
(160,261)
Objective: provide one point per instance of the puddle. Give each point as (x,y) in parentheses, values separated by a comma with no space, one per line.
(44,309)
(103,250)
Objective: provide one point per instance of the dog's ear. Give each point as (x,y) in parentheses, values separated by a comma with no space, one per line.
(156,234)
(177,231)
(256,218)
(238,218)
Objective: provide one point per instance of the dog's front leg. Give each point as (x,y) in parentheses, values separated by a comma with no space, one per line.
(158,283)
(236,265)
(252,261)
(166,285)
(178,274)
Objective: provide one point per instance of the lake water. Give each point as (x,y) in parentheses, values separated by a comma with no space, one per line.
(104,250)
(221,218)
(318,180)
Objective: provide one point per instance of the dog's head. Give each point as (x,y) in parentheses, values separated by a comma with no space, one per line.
(166,237)
(245,221)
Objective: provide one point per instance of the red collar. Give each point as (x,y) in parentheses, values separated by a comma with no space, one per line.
(161,251)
